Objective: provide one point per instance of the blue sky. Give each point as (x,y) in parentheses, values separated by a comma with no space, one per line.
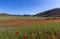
(27,6)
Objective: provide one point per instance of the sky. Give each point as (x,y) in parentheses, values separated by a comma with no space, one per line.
(20,7)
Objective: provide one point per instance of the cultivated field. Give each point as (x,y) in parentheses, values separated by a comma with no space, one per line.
(29,28)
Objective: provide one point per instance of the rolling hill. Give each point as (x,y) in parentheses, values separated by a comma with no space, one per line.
(6,14)
(49,13)
(53,13)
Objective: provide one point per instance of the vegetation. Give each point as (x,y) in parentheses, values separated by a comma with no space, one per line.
(53,13)
(4,18)
(35,31)
(38,31)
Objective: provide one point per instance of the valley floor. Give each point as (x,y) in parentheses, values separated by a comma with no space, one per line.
(20,23)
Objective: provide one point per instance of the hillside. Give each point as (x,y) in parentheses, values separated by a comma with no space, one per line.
(6,14)
(53,13)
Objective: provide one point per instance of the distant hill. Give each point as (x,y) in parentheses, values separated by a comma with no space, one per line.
(4,14)
(49,13)
(53,13)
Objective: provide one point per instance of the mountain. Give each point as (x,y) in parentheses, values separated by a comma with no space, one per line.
(53,13)
(4,14)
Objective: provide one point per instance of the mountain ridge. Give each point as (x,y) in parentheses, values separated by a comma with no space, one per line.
(53,12)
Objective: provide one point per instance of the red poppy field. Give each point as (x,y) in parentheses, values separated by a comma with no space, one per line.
(30,29)
(19,23)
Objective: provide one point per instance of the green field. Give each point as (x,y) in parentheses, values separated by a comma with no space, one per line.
(35,31)
(4,18)
(38,31)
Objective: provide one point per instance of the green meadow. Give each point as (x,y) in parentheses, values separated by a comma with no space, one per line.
(37,31)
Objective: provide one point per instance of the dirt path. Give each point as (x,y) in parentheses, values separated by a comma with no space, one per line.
(19,23)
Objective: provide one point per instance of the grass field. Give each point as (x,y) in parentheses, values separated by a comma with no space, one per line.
(37,29)
(3,18)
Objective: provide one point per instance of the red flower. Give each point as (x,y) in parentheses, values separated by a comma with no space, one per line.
(25,36)
(52,37)
(16,33)
(57,33)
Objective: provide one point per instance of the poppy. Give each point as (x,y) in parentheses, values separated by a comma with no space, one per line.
(25,36)
(52,37)
(57,33)
(16,33)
